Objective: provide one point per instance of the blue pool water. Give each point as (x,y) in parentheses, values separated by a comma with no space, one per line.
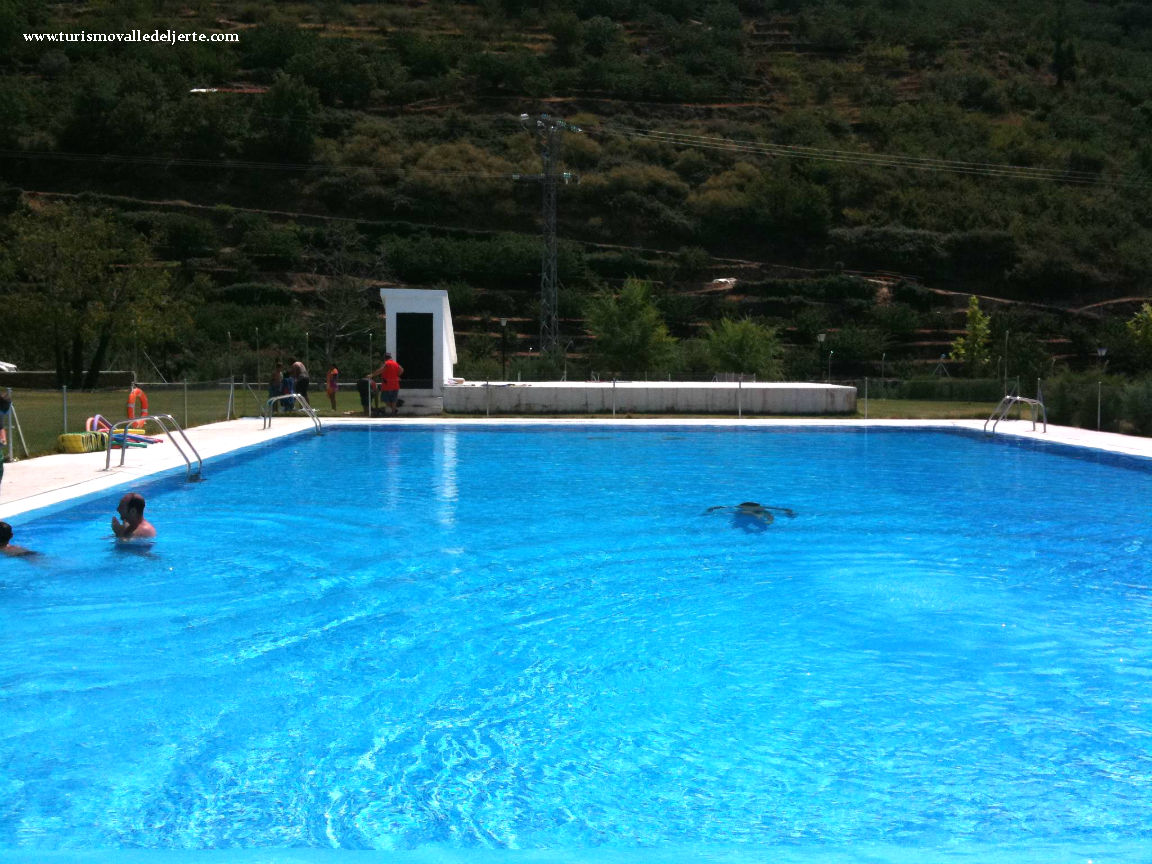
(406,638)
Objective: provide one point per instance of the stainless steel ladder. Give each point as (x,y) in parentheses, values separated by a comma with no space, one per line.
(300,403)
(168,425)
(1011,400)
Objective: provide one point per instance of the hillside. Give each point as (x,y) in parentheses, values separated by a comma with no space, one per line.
(859,168)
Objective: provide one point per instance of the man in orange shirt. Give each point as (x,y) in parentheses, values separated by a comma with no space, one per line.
(390,374)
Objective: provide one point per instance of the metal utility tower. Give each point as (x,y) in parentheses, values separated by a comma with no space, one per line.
(549,131)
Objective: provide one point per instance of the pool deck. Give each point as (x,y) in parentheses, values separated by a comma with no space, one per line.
(50,480)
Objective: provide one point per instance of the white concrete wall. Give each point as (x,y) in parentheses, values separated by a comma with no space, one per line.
(653,397)
(428,301)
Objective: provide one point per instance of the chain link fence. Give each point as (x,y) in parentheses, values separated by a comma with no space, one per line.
(38,417)
(1108,403)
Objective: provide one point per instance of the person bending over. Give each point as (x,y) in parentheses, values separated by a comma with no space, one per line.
(134,526)
(9,548)
(390,372)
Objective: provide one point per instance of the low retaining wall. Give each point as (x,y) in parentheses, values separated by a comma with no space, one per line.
(647,397)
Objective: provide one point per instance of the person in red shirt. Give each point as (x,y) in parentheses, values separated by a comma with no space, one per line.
(389,374)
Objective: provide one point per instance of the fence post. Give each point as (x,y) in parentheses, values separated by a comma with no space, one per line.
(185,403)
(65,392)
(613,397)
(11,448)
(739,393)
(487,400)
(231,395)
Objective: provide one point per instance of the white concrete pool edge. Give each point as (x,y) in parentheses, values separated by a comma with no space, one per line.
(46,481)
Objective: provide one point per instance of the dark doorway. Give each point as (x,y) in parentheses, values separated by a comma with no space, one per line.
(414,349)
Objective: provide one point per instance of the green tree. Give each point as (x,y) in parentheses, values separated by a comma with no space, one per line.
(743,346)
(287,118)
(971,349)
(628,332)
(1140,332)
(81,280)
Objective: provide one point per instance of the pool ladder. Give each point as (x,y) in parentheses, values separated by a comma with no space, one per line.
(168,426)
(299,402)
(1010,400)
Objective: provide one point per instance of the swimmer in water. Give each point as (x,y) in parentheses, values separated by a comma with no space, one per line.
(9,548)
(134,526)
(751,515)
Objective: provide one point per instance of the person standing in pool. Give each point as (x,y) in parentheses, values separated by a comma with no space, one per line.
(134,526)
(9,548)
(390,373)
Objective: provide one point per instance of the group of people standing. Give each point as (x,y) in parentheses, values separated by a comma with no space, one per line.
(295,380)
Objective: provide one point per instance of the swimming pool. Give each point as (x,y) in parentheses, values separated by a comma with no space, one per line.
(537,639)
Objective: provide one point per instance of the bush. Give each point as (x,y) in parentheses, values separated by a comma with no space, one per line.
(951,389)
(743,346)
(1136,407)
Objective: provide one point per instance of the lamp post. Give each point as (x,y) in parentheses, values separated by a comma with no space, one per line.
(504,349)
(828,377)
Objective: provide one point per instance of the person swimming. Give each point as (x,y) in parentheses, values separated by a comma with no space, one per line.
(134,526)
(9,548)
(752,515)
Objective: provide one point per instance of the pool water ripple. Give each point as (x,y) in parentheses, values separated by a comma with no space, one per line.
(398,639)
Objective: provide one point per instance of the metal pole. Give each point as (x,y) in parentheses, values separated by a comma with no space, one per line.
(258,354)
(231,395)
(65,389)
(828,377)
(307,360)
(865,398)
(613,397)
(739,393)
(1098,389)
(1006,332)
(504,348)
(185,403)
(487,400)
(11,442)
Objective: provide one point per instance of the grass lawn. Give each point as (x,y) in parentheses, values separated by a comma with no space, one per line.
(915,409)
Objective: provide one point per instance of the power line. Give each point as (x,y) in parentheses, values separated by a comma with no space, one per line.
(882,160)
(242,164)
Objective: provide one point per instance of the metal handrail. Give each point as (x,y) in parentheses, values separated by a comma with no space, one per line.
(301,403)
(1005,407)
(162,421)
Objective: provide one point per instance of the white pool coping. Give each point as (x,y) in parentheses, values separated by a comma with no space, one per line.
(47,481)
